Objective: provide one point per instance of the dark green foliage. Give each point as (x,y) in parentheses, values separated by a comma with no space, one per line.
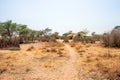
(117,27)
(13,34)
(8,29)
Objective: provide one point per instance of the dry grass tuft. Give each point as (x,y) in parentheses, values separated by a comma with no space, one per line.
(30,48)
(2,70)
(81,51)
(60,54)
(99,59)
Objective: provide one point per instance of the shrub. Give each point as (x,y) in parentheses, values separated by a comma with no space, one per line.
(7,43)
(47,39)
(112,39)
(86,39)
(77,38)
(66,40)
(52,39)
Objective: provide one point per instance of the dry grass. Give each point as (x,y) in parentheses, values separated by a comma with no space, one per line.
(55,53)
(13,62)
(47,55)
(99,59)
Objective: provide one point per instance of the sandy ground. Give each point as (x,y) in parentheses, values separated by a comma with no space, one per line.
(66,72)
(31,69)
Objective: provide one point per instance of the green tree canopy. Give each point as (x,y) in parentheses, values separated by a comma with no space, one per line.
(8,29)
(117,27)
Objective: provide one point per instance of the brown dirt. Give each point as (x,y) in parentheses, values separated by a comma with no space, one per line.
(29,67)
(56,61)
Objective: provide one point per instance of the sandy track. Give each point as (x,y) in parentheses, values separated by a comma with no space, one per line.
(66,72)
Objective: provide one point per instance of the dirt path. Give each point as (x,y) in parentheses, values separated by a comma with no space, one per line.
(66,72)
(69,69)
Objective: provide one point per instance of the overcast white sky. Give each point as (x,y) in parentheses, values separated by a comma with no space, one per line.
(63,15)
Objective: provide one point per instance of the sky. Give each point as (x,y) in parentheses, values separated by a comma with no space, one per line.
(63,15)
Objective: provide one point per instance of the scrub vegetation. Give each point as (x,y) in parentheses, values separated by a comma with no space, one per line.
(27,54)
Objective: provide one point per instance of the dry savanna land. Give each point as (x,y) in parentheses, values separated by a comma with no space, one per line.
(27,54)
(59,39)
(54,61)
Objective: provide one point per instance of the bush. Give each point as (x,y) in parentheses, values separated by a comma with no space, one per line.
(89,39)
(66,40)
(86,39)
(77,38)
(44,39)
(9,43)
(47,39)
(112,39)
(52,39)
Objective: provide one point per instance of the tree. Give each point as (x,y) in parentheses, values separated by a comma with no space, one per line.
(24,33)
(95,37)
(47,31)
(22,30)
(33,34)
(67,33)
(8,29)
(39,33)
(84,32)
(93,33)
(55,35)
(117,27)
